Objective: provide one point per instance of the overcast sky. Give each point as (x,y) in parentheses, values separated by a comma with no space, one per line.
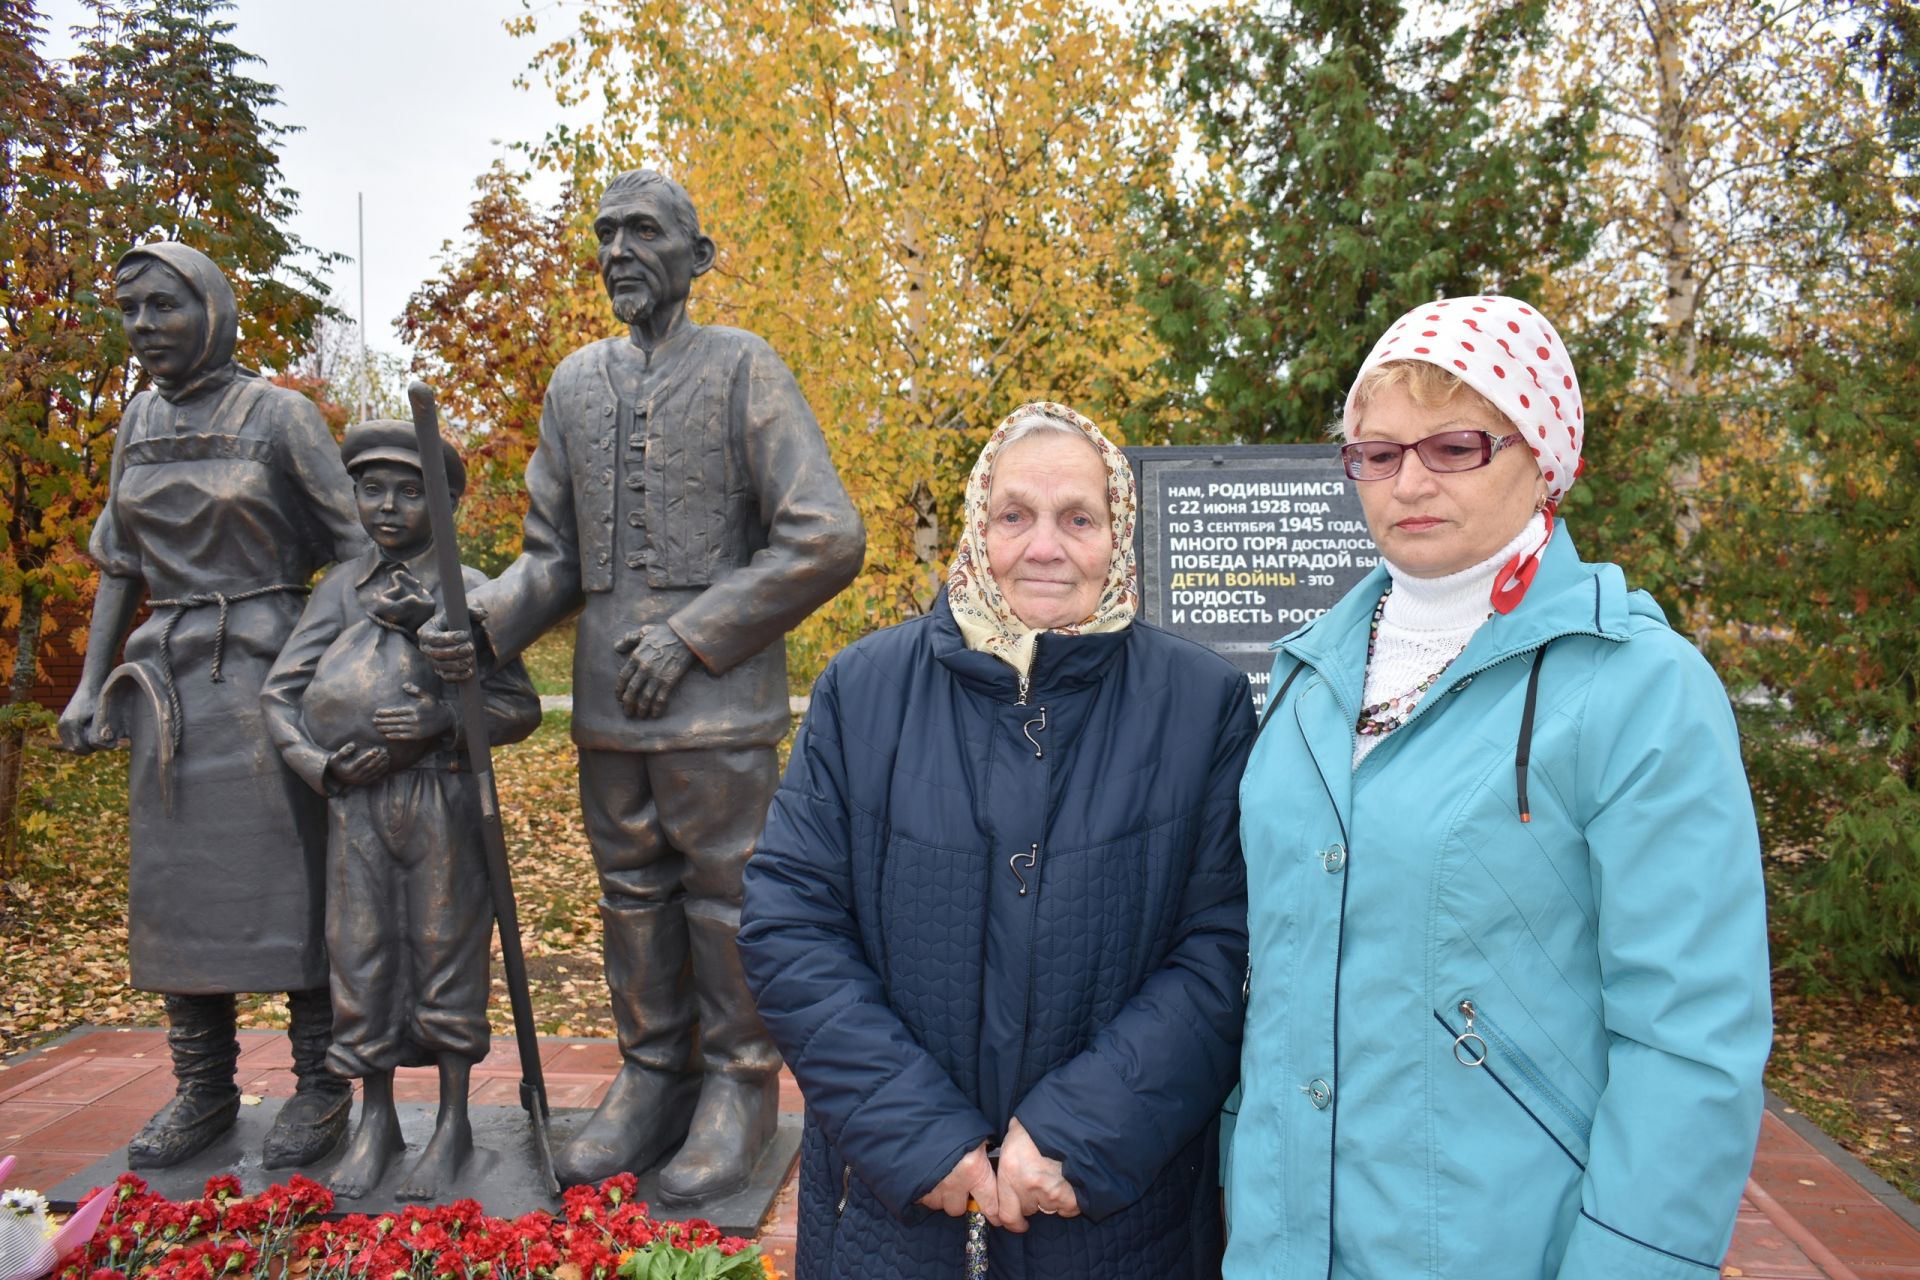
(406,100)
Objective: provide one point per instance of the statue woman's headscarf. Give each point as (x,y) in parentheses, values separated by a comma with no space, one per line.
(213,363)
(986,621)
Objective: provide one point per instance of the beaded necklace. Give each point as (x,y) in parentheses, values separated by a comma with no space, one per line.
(1385,716)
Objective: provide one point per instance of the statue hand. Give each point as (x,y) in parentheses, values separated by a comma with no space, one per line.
(78,732)
(656,660)
(451,652)
(419,720)
(354,765)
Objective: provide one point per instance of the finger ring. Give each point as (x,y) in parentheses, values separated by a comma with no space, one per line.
(1050,1212)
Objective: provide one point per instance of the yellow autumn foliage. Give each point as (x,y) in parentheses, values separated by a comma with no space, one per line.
(926,208)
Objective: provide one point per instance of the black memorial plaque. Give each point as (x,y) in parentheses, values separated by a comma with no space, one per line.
(1239,545)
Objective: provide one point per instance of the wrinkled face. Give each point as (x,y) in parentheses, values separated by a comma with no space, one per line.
(163,320)
(647,259)
(1049,530)
(393,507)
(1428,523)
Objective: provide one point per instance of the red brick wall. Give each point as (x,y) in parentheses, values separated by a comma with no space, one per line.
(60,663)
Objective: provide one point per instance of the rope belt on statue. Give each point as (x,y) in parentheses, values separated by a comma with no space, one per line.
(200,600)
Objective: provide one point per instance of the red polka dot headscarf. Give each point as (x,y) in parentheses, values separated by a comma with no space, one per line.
(1509,353)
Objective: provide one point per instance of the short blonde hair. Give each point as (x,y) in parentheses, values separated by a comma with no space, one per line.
(1427,385)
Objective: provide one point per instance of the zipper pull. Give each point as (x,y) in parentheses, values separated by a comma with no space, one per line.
(846,1188)
(1026,682)
(1476,1048)
(1036,725)
(1031,858)
(1246,986)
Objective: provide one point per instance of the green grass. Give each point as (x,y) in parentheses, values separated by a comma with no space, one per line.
(550,661)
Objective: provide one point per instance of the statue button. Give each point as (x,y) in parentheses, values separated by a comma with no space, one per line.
(636,480)
(636,560)
(636,518)
(637,441)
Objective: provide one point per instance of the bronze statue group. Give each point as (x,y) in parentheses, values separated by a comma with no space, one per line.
(1453,964)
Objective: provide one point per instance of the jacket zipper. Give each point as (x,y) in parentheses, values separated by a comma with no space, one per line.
(1031,857)
(846,1188)
(1470,1050)
(1523,1066)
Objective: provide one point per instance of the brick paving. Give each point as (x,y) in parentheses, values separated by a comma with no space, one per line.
(1804,1216)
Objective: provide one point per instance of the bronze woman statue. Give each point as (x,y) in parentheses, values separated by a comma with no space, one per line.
(226,496)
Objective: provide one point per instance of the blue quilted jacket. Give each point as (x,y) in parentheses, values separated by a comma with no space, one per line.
(967,907)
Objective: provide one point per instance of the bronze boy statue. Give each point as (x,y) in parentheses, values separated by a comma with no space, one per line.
(357,711)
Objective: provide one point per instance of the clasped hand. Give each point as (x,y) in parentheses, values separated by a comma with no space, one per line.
(1025,1184)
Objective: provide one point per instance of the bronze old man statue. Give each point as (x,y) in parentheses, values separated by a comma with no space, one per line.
(682,499)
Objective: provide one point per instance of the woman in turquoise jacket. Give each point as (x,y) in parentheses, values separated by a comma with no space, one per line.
(1508,989)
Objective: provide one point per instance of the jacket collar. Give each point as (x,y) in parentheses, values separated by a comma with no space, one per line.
(1060,662)
(665,355)
(425,567)
(1568,597)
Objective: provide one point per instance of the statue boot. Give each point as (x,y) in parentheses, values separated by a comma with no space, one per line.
(646,1110)
(314,1119)
(740,1088)
(200,1036)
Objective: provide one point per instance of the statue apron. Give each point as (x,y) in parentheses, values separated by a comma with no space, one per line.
(228,846)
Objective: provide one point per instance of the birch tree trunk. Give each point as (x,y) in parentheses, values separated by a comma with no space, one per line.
(1667,24)
(910,246)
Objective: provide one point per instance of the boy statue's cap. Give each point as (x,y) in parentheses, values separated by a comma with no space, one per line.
(390,440)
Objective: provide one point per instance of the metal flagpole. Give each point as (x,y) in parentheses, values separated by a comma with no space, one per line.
(362,198)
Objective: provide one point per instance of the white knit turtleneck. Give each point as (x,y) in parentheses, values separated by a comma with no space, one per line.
(1426,625)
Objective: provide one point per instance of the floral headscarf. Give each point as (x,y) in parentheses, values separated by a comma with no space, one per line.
(986,622)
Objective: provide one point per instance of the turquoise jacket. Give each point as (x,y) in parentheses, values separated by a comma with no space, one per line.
(1611,952)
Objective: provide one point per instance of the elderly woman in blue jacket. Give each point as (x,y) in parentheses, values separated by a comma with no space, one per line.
(996,922)
(1508,1001)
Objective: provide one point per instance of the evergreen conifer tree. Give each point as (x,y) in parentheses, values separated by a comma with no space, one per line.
(1354,167)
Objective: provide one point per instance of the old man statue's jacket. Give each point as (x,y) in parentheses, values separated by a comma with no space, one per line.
(704,498)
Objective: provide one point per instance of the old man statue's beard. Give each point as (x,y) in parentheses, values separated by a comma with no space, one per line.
(633,302)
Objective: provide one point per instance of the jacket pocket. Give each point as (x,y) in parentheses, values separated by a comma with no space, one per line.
(1479,1044)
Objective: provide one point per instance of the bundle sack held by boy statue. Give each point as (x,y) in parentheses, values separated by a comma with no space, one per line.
(378,650)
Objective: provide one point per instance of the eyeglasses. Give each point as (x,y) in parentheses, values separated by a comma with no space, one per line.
(1448,451)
